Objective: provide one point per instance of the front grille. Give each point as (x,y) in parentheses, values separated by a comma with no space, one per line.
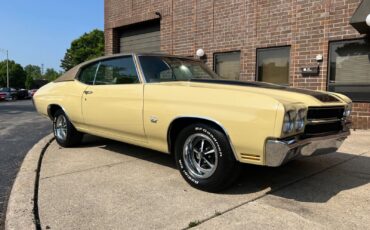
(324,120)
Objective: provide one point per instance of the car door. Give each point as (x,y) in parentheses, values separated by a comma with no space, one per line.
(113,105)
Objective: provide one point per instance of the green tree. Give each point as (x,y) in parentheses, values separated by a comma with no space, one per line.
(17,76)
(88,46)
(33,71)
(29,82)
(51,74)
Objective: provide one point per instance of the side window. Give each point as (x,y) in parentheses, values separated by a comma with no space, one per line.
(87,74)
(117,71)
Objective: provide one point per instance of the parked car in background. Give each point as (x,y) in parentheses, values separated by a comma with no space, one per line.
(32,92)
(178,105)
(8,93)
(3,96)
(22,94)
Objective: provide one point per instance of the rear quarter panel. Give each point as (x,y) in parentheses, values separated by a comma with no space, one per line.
(66,94)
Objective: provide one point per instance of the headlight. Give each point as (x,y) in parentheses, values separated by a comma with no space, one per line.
(347,110)
(299,122)
(288,124)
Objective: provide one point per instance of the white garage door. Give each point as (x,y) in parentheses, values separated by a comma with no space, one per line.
(144,38)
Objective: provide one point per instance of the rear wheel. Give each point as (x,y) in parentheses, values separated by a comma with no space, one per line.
(205,158)
(65,133)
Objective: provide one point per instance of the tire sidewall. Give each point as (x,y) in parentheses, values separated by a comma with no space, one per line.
(224,159)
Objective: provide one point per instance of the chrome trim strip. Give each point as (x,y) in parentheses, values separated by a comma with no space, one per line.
(203,118)
(139,69)
(322,121)
(65,112)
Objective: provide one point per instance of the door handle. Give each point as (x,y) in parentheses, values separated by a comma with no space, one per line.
(88,92)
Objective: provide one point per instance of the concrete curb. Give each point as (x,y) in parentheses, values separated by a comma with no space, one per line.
(20,210)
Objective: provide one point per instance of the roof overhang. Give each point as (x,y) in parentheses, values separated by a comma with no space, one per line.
(358,19)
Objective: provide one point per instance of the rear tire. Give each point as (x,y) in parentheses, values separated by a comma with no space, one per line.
(205,159)
(64,132)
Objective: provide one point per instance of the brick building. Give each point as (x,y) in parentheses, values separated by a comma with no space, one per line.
(316,44)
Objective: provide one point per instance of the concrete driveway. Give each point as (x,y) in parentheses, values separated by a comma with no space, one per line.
(110,185)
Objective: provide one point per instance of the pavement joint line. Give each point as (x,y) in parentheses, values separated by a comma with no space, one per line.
(199,222)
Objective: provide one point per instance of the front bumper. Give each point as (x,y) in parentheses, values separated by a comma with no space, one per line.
(277,152)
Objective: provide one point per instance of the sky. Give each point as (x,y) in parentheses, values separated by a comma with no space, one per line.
(40,31)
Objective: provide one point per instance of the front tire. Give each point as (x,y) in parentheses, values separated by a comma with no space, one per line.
(64,132)
(205,158)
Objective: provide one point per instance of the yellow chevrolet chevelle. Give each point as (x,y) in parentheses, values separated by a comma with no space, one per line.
(177,105)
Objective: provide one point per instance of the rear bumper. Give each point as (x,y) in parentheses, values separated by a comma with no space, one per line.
(278,152)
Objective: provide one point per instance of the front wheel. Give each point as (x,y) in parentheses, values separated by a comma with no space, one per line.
(64,132)
(205,158)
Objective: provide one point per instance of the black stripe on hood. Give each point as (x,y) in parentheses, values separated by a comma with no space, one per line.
(323,97)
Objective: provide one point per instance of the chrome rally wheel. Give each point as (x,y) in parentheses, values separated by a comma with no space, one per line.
(60,129)
(205,158)
(200,155)
(64,132)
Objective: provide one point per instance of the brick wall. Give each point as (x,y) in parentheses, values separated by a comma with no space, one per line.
(229,25)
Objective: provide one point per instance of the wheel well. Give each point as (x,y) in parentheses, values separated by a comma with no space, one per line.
(52,109)
(180,123)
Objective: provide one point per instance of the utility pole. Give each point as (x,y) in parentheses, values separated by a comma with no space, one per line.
(7,66)
(42,70)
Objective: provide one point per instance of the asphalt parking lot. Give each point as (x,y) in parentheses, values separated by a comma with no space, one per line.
(105,184)
(20,128)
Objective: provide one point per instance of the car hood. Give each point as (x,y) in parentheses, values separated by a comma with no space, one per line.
(283,94)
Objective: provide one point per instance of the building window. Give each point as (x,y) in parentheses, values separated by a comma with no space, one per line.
(227,65)
(273,65)
(349,68)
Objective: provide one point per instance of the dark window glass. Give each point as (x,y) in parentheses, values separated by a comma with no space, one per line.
(349,71)
(227,65)
(87,74)
(159,69)
(273,65)
(117,71)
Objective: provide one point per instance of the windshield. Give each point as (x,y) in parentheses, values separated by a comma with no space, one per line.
(4,89)
(160,69)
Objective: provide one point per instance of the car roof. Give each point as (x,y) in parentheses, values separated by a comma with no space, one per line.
(71,74)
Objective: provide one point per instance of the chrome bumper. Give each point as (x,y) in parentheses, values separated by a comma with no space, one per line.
(277,152)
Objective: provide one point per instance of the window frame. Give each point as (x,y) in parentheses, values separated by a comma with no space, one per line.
(227,52)
(108,59)
(328,77)
(83,67)
(270,48)
(161,56)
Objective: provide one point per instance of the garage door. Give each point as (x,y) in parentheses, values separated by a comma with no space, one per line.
(143,38)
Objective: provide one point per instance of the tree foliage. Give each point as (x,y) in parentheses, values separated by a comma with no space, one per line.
(29,82)
(33,71)
(88,46)
(51,74)
(17,76)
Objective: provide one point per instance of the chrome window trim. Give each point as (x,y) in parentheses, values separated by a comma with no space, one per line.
(96,72)
(139,69)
